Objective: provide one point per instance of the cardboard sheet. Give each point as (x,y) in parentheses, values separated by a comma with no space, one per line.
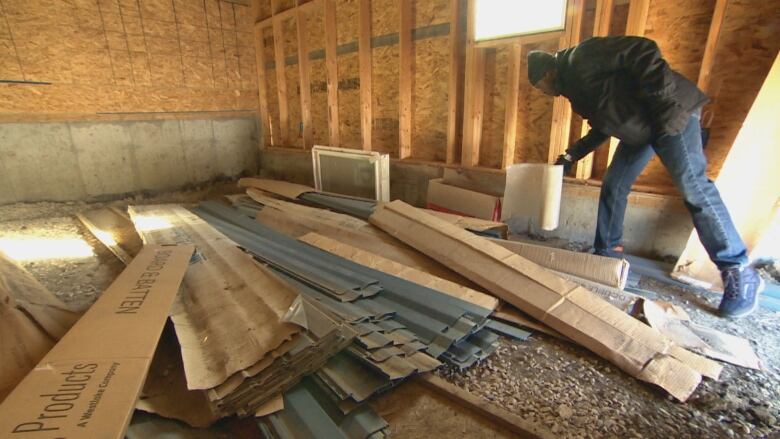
(674,322)
(32,319)
(88,384)
(165,391)
(457,200)
(377,262)
(608,271)
(568,308)
(532,197)
(228,314)
(473,224)
(283,189)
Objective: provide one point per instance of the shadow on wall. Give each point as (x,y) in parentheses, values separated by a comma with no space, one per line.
(103,160)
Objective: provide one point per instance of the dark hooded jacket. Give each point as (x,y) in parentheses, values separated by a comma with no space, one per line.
(625,89)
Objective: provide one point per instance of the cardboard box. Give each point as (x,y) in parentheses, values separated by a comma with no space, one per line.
(460,201)
(88,384)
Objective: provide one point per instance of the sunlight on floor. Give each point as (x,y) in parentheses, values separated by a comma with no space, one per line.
(33,248)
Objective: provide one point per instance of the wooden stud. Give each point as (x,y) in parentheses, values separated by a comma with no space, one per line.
(711,47)
(332,71)
(474,102)
(364,52)
(265,121)
(405,81)
(510,118)
(303,68)
(489,410)
(281,84)
(637,17)
(561,114)
(454,84)
(603,18)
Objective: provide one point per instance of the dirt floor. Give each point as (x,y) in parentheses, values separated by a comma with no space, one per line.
(550,382)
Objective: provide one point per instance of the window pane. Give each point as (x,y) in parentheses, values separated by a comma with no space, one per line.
(505,18)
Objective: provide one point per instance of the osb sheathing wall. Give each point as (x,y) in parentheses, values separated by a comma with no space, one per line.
(743,57)
(81,57)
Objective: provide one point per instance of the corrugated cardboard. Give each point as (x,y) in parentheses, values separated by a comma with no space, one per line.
(568,308)
(461,201)
(228,314)
(32,319)
(608,271)
(88,384)
(471,223)
(284,189)
(377,262)
(675,323)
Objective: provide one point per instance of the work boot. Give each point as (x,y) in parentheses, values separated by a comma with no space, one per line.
(614,252)
(741,287)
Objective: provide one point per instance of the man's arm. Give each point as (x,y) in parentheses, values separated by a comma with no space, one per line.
(581,148)
(587,144)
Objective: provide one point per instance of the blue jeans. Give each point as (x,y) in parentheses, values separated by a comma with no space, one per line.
(683,157)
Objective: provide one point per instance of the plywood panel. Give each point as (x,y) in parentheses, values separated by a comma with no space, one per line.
(292,75)
(431,72)
(315,30)
(745,54)
(348,75)
(126,56)
(534,113)
(429,12)
(349,101)
(385,19)
(492,146)
(347,19)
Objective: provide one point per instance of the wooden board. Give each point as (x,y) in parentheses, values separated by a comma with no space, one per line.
(134,57)
(492,145)
(385,16)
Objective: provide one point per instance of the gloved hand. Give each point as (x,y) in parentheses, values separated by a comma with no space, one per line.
(565,160)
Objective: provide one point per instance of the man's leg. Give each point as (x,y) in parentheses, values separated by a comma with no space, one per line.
(627,164)
(683,156)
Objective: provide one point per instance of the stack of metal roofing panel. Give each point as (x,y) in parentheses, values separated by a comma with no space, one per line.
(440,322)
(311,411)
(325,336)
(401,325)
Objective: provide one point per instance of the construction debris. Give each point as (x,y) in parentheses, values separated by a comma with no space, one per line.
(572,310)
(88,384)
(32,319)
(674,322)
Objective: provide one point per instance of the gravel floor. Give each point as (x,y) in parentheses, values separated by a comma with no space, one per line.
(555,383)
(579,395)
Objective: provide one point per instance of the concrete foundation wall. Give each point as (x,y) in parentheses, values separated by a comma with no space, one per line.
(99,160)
(655,225)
